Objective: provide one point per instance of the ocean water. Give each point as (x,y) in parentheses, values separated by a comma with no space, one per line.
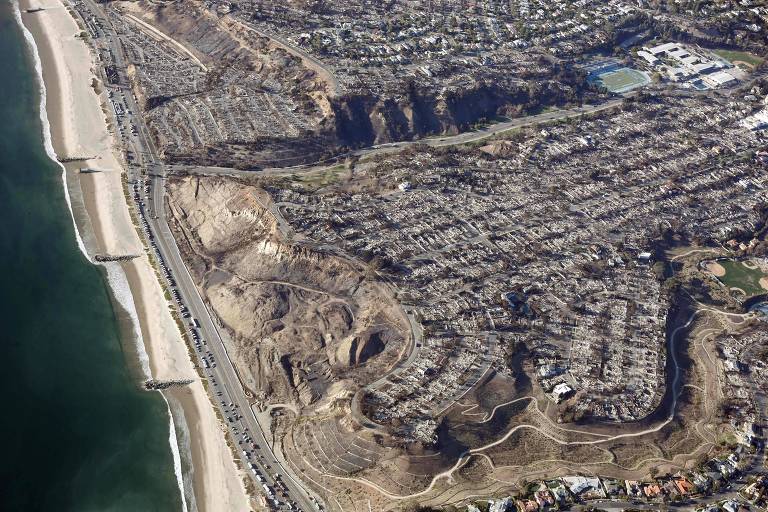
(77,433)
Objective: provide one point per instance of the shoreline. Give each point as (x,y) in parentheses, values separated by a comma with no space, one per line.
(78,126)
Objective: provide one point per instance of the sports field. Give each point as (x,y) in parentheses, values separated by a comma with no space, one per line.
(622,80)
(743,275)
(736,58)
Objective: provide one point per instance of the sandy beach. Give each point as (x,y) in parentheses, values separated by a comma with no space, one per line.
(79,127)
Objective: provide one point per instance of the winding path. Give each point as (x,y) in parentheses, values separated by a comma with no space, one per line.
(693,251)
(465,456)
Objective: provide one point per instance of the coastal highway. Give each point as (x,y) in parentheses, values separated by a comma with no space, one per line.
(223,383)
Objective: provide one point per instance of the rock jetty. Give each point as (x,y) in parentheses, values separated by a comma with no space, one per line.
(165,384)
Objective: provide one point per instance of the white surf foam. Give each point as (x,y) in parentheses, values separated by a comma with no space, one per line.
(44,119)
(118,282)
(176,455)
(116,278)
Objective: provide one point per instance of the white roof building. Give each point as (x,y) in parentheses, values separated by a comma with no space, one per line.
(756,121)
(718,79)
(679,54)
(675,74)
(704,66)
(662,48)
(579,484)
(504,505)
(649,57)
(562,390)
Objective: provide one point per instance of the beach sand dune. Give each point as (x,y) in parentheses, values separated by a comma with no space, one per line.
(79,127)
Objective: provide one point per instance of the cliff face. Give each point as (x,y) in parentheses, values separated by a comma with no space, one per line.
(360,120)
(222,43)
(299,321)
(374,119)
(255,104)
(248,104)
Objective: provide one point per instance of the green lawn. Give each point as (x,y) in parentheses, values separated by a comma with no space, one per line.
(739,276)
(732,56)
(316,180)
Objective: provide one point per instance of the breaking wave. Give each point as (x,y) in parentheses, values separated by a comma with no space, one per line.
(176,455)
(116,278)
(44,119)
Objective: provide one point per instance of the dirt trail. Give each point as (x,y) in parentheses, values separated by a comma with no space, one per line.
(546,432)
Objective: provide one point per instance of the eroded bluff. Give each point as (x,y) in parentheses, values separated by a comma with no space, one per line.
(252,103)
(303,325)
